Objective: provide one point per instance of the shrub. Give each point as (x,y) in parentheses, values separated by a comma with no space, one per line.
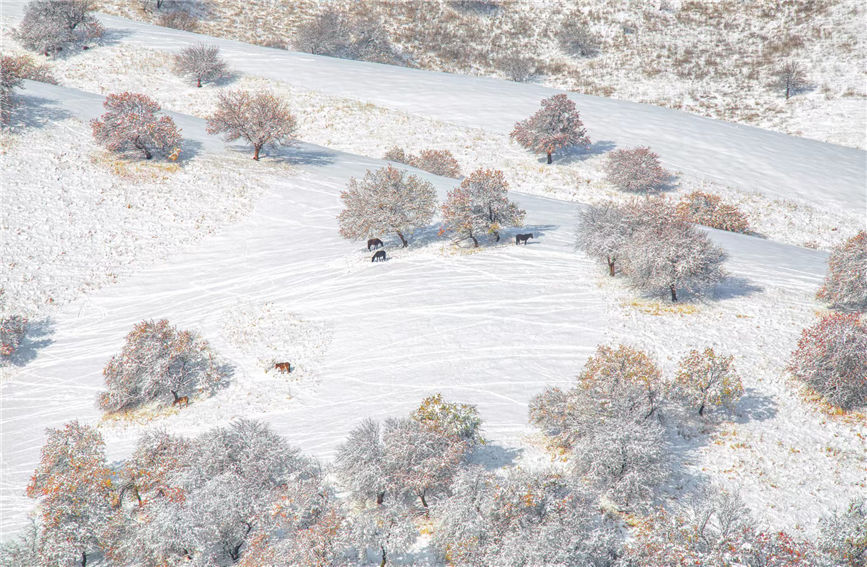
(48,26)
(459,420)
(359,36)
(178,19)
(158,363)
(131,124)
(790,78)
(438,162)
(843,536)
(386,200)
(480,206)
(12,331)
(637,170)
(574,37)
(832,358)
(259,118)
(396,154)
(200,62)
(845,285)
(709,210)
(708,381)
(13,70)
(517,66)
(555,126)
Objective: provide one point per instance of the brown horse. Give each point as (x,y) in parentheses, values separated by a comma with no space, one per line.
(378,256)
(374,243)
(180,401)
(283,367)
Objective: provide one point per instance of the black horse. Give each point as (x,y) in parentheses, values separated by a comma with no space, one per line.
(523,238)
(374,243)
(378,256)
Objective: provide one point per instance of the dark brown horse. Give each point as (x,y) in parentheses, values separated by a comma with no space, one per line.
(519,238)
(378,256)
(374,243)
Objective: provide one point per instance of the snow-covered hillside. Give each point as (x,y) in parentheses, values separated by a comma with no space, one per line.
(248,254)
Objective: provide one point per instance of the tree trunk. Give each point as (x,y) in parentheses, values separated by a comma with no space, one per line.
(402,239)
(423,501)
(497,234)
(475,241)
(549,157)
(673,292)
(148,154)
(380,497)
(199,82)
(383,556)
(83,559)
(256,152)
(610,266)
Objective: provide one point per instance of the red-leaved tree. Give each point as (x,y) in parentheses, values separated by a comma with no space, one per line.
(480,206)
(832,358)
(131,124)
(259,118)
(637,170)
(554,126)
(845,284)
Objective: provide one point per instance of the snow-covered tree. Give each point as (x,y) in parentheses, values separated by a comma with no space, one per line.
(261,119)
(706,381)
(360,463)
(637,170)
(159,363)
(200,62)
(438,162)
(845,286)
(386,200)
(604,231)
(359,35)
(667,254)
(455,419)
(23,551)
(420,460)
(480,205)
(843,535)
(790,78)
(13,70)
(555,126)
(709,210)
(396,153)
(73,485)
(386,529)
(131,124)
(12,331)
(50,25)
(832,358)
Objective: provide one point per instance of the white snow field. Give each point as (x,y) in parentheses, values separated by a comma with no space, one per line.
(491,327)
(260,271)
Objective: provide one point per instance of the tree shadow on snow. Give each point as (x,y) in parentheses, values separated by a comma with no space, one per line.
(35,112)
(733,287)
(297,154)
(755,406)
(577,153)
(37,336)
(493,457)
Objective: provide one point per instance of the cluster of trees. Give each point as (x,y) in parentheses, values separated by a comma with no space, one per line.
(356,34)
(637,170)
(12,331)
(390,200)
(555,126)
(159,363)
(659,252)
(438,162)
(50,26)
(706,209)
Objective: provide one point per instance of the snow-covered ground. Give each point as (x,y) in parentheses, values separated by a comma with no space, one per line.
(490,327)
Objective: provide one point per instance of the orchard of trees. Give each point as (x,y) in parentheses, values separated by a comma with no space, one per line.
(657,251)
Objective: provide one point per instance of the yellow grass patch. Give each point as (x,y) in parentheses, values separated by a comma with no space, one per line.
(659,308)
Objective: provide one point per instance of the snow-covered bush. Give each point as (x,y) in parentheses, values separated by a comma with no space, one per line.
(832,359)
(12,331)
(200,62)
(131,124)
(707,381)
(845,285)
(843,536)
(709,210)
(13,70)
(666,254)
(604,230)
(608,421)
(400,460)
(386,200)
(50,25)
(159,363)
(438,162)
(480,205)
(555,126)
(459,420)
(522,518)
(356,35)
(73,485)
(259,118)
(637,170)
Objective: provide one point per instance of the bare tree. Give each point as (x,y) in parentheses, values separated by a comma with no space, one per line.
(790,77)
(259,118)
(200,62)
(132,124)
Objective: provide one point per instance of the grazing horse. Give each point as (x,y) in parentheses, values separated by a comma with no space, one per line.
(523,238)
(374,243)
(378,256)
(283,367)
(180,401)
